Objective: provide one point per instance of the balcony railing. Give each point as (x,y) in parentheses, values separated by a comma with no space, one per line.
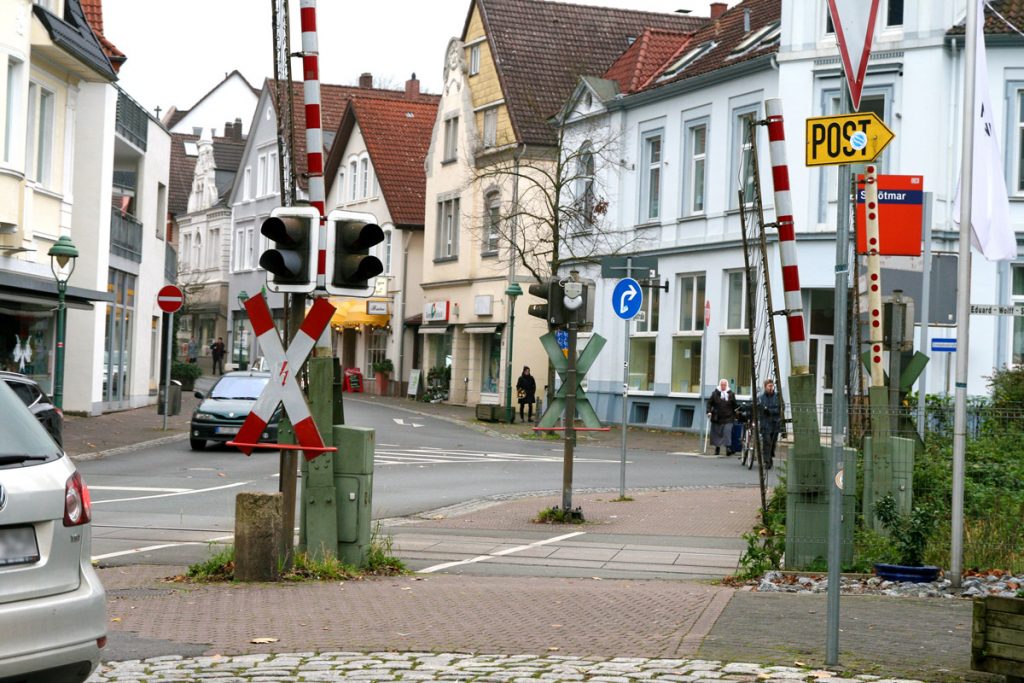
(125,236)
(170,263)
(132,122)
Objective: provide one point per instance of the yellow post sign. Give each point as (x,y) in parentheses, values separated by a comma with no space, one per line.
(846,139)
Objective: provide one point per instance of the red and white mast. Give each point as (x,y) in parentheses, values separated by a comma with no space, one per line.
(314,134)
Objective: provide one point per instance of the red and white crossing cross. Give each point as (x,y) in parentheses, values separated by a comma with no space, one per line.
(284,368)
(170,298)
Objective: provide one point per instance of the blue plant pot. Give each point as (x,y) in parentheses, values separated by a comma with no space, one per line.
(899,572)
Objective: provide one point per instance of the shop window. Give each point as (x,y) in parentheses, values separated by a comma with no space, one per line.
(686,359)
(641,363)
(735,363)
(490,358)
(241,342)
(117,355)
(376,348)
(26,341)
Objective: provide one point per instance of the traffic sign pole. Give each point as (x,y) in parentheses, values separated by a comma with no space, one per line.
(625,390)
(169,333)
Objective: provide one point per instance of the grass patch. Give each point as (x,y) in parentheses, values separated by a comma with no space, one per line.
(556,515)
(380,561)
(219,567)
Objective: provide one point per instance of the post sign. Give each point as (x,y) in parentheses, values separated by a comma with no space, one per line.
(170,298)
(900,208)
(627,297)
(846,139)
(943,345)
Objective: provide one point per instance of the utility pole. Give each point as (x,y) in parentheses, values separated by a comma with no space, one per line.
(570,423)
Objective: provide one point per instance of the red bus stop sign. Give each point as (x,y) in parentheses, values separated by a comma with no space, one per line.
(170,299)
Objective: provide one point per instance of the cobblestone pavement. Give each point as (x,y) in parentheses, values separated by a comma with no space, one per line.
(422,666)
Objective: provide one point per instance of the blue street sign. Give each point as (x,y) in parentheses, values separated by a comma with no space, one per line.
(562,337)
(627,297)
(944,345)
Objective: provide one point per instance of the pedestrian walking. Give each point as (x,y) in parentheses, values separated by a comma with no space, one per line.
(526,390)
(722,413)
(217,351)
(769,421)
(192,351)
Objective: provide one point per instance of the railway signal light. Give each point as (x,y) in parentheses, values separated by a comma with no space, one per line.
(350,266)
(291,262)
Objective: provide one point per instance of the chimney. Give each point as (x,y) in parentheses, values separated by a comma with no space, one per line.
(366,80)
(718,9)
(412,86)
(238,129)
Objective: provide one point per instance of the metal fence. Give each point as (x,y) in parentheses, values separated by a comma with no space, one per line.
(900,461)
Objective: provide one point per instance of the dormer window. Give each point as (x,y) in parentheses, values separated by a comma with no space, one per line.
(687,59)
(759,39)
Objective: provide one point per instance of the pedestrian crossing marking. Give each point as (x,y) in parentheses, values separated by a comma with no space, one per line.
(431,455)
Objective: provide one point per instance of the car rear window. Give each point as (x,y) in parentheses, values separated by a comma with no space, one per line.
(239,387)
(22,433)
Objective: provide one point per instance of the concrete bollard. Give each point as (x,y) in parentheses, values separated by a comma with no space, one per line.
(258,536)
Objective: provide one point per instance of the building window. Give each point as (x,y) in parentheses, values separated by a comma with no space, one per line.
(448,229)
(736,306)
(213,249)
(686,359)
(186,251)
(40,133)
(261,175)
(364,177)
(353,172)
(894,13)
(119,334)
(647,321)
(490,359)
(1019,137)
(492,223)
(744,146)
(697,147)
(238,250)
(641,363)
(735,363)
(451,138)
(474,59)
(387,250)
(11,104)
(491,127)
(1018,321)
(650,181)
(830,28)
(247,184)
(691,303)
(376,349)
(272,173)
(585,187)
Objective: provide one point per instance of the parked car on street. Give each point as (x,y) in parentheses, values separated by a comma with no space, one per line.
(222,411)
(41,405)
(52,605)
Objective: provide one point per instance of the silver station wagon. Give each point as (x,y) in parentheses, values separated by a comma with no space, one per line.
(52,605)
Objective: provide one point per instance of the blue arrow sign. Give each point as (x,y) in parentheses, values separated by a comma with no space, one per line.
(944,345)
(627,297)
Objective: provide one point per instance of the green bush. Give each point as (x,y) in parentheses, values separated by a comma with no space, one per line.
(766,543)
(384,366)
(910,533)
(185,371)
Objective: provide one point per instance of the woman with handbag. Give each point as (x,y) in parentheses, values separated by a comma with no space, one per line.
(526,390)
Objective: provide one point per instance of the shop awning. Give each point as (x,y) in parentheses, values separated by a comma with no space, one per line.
(352,313)
(32,289)
(480,329)
(433,329)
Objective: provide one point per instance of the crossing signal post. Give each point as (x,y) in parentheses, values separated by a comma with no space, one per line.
(554,310)
(291,261)
(350,235)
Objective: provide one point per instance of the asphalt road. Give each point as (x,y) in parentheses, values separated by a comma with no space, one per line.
(167,504)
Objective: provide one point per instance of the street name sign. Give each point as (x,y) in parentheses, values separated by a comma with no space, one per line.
(944,345)
(170,298)
(900,212)
(615,266)
(854,23)
(997,310)
(846,139)
(627,297)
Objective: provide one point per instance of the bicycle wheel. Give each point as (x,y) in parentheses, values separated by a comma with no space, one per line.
(748,448)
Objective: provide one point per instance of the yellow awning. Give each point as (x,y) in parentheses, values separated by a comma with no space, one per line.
(352,313)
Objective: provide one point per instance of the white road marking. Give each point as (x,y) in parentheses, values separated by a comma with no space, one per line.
(436,456)
(506,551)
(401,421)
(168,495)
(133,551)
(135,488)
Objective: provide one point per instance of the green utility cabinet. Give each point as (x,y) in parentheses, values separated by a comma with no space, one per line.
(807,513)
(353,486)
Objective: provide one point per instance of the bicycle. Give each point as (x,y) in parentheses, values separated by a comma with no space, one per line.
(748,446)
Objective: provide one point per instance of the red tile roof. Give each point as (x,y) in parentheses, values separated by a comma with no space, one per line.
(1011,10)
(541,49)
(644,58)
(725,35)
(333,100)
(94,15)
(397,135)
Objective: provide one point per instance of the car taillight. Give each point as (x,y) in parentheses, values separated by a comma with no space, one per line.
(77,505)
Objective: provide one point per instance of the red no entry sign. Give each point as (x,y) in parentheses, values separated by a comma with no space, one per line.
(170,299)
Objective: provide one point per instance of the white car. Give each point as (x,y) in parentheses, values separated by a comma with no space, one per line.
(52,605)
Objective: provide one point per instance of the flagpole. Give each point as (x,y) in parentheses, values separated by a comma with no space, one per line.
(963,303)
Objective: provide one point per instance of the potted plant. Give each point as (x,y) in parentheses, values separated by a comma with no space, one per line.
(909,533)
(382,371)
(186,373)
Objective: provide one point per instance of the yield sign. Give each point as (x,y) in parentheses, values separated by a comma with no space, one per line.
(284,368)
(854,21)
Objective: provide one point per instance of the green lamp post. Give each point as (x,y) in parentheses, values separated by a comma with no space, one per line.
(513,291)
(62,262)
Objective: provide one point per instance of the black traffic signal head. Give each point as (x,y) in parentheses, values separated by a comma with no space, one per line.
(554,310)
(291,261)
(350,235)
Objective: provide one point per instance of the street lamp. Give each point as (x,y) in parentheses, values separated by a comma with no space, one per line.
(62,262)
(512,292)
(239,330)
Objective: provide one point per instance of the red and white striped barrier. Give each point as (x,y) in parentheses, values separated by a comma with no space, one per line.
(798,354)
(283,387)
(314,134)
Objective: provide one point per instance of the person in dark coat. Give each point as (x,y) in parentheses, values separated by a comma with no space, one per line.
(769,421)
(722,413)
(526,390)
(217,351)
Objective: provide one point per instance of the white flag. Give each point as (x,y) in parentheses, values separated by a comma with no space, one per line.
(991,232)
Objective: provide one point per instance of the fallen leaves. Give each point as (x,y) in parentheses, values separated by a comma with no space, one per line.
(263,641)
